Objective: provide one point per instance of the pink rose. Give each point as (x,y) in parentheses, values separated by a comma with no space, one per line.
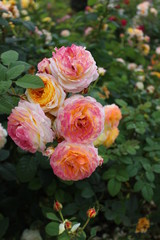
(74,68)
(29,128)
(80,120)
(72,161)
(44,66)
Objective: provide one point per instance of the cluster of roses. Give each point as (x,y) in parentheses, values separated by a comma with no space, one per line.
(77,120)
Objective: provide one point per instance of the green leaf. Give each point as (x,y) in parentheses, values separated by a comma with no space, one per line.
(53,217)
(4,154)
(87,192)
(4,224)
(14,72)
(138,186)
(111,173)
(122,175)
(3,71)
(114,187)
(35,184)
(30,81)
(8,171)
(121,102)
(18,63)
(4,86)
(7,103)
(9,57)
(52,229)
(147,192)
(80,236)
(26,168)
(91,2)
(29,25)
(64,236)
(156,168)
(150,176)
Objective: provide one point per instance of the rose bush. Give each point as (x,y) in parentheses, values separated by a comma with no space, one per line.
(118,40)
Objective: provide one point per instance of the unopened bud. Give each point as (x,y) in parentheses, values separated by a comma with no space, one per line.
(68,224)
(91,213)
(57,206)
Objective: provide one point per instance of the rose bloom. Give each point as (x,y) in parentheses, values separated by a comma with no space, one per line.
(123,22)
(142,225)
(112,115)
(143,8)
(73,162)
(80,120)
(87,31)
(29,234)
(74,68)
(140,85)
(3,135)
(65,33)
(50,97)
(44,66)
(26,3)
(153,11)
(108,137)
(145,48)
(132,66)
(101,71)
(150,89)
(158,50)
(29,128)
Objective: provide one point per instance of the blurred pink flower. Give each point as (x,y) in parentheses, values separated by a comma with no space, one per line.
(29,128)
(80,120)
(73,162)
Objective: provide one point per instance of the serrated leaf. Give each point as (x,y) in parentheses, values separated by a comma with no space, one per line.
(111,173)
(8,171)
(9,57)
(114,187)
(122,175)
(7,103)
(14,72)
(121,102)
(18,63)
(53,217)
(4,86)
(52,229)
(64,236)
(30,81)
(147,192)
(87,193)
(26,169)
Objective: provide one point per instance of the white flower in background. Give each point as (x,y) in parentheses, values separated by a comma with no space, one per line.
(48,36)
(120,60)
(139,69)
(31,235)
(101,71)
(150,89)
(121,11)
(158,50)
(153,11)
(140,85)
(65,33)
(141,78)
(3,135)
(143,8)
(146,38)
(158,107)
(132,66)
(134,32)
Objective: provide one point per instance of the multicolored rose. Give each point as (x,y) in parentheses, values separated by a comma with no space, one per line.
(50,98)
(80,120)
(73,161)
(74,68)
(29,128)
